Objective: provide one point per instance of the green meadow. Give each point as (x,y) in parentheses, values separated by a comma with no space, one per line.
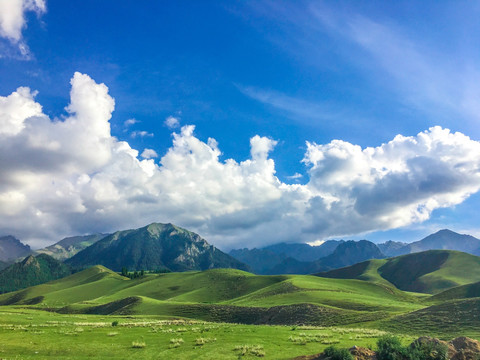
(36,334)
(228,314)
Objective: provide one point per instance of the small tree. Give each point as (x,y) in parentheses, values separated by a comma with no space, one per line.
(124,271)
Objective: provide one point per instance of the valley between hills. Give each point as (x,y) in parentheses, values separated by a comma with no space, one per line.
(194,301)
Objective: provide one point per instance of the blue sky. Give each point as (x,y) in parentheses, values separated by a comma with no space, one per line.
(289,72)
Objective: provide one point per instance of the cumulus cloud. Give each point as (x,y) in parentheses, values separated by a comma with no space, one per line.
(172,122)
(71,176)
(12,20)
(149,154)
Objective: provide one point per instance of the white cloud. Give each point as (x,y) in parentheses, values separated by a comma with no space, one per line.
(12,20)
(295,176)
(130,122)
(72,176)
(149,154)
(141,133)
(172,122)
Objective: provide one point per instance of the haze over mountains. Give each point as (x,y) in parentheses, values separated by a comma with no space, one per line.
(11,248)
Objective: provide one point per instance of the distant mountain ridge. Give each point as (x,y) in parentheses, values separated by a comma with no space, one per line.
(154,247)
(441,240)
(445,240)
(69,246)
(11,248)
(391,248)
(294,256)
(346,253)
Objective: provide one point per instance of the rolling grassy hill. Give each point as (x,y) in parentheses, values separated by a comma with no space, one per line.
(428,272)
(459,292)
(221,295)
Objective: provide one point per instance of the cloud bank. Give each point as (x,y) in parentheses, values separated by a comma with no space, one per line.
(71,176)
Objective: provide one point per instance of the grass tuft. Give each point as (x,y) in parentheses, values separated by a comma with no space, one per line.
(138,344)
(255,350)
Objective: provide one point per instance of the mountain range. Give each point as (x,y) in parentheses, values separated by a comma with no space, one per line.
(166,247)
(292,258)
(442,240)
(154,247)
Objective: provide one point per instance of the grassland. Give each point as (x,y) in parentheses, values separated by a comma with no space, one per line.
(222,314)
(36,334)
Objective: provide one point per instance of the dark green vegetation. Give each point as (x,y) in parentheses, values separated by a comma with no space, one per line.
(154,247)
(390,348)
(332,353)
(11,248)
(70,246)
(427,272)
(4,264)
(32,271)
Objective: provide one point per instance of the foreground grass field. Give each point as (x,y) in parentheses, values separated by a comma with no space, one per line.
(35,334)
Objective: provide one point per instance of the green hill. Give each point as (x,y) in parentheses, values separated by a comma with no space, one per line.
(220,294)
(446,319)
(459,292)
(426,272)
(153,247)
(32,271)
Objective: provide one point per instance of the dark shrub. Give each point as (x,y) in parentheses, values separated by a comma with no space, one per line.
(114,323)
(337,354)
(390,348)
(422,350)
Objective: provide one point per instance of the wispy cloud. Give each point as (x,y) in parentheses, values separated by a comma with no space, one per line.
(296,108)
(440,80)
(141,133)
